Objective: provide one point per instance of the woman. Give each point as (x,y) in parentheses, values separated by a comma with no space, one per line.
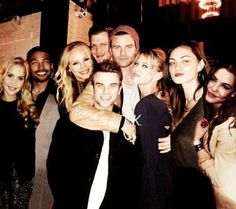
(153,121)
(187,66)
(18,119)
(215,135)
(74,69)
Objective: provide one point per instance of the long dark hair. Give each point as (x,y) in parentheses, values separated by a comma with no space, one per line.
(228,107)
(177,97)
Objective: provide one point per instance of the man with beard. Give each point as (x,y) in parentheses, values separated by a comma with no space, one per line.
(43,91)
(124,46)
(41,72)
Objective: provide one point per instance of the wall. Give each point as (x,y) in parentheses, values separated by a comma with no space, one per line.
(18,35)
(78,27)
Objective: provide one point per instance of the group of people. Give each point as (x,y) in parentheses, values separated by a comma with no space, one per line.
(28,112)
(116,126)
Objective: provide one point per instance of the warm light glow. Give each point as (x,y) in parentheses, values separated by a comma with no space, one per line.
(205,4)
(210,14)
(210,7)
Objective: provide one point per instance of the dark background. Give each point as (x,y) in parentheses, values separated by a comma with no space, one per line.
(157,26)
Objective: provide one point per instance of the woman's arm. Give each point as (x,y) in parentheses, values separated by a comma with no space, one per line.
(84,114)
(153,119)
(164,144)
(221,160)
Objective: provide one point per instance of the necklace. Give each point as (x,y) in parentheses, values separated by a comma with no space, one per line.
(190,103)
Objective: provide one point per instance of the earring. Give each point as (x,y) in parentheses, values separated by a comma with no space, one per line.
(201,76)
(232,95)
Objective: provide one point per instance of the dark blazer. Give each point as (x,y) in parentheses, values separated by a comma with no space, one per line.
(182,148)
(72,161)
(188,181)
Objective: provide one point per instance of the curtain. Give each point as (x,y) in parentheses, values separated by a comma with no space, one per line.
(162,3)
(172,11)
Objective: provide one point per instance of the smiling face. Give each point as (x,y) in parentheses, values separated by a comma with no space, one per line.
(13,82)
(40,66)
(106,89)
(100,46)
(220,87)
(80,63)
(184,65)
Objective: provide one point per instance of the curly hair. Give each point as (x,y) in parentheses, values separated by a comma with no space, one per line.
(68,86)
(25,104)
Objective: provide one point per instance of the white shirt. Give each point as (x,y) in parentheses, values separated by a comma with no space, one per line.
(131,98)
(99,185)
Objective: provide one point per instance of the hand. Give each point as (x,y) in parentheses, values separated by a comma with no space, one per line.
(129,131)
(201,128)
(164,144)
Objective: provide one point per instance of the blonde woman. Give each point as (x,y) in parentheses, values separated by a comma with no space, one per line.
(18,120)
(153,119)
(74,69)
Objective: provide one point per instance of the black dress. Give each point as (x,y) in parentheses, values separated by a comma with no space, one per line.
(153,119)
(16,158)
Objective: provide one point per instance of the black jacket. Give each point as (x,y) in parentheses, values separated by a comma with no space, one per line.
(17,144)
(72,162)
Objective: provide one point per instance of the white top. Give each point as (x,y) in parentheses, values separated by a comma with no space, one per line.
(221,168)
(41,197)
(99,185)
(131,98)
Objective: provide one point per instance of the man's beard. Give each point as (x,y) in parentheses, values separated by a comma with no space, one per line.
(124,65)
(40,79)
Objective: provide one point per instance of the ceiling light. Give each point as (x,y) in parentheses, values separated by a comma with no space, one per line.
(210,7)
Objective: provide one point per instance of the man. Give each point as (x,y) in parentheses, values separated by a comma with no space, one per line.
(124,45)
(94,169)
(43,90)
(41,72)
(99,43)
(124,42)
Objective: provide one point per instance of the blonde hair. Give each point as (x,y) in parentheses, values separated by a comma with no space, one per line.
(68,87)
(157,62)
(25,104)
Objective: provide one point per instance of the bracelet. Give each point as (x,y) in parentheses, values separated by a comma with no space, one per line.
(198,147)
(122,122)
